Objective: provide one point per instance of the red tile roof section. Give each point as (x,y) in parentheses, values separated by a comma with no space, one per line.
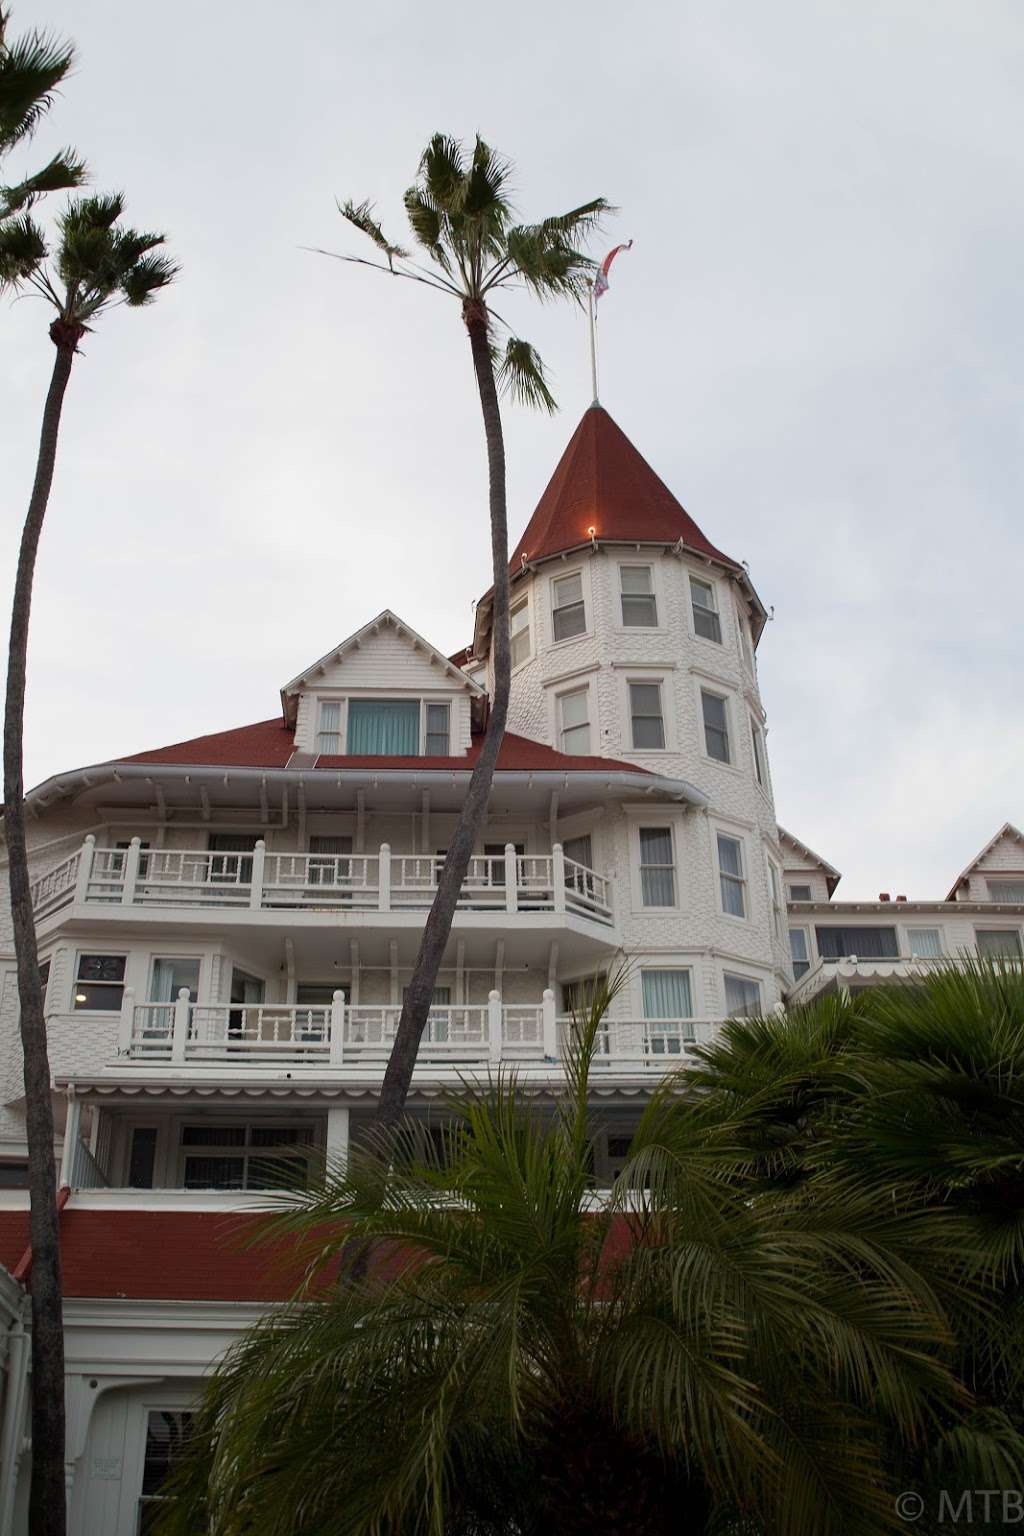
(603,483)
(269,744)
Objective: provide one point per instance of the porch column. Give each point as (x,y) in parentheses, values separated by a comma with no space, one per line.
(494,1025)
(558,876)
(179,1037)
(511,878)
(337,1134)
(126,1028)
(548,1026)
(131,871)
(70,1146)
(337,1049)
(84,872)
(384,878)
(259,859)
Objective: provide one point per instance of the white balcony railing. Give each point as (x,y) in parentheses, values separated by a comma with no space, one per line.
(313,882)
(336,1034)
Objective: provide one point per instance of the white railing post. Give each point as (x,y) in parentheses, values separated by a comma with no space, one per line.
(259,859)
(511,878)
(70,1143)
(337,1051)
(494,1025)
(84,873)
(131,870)
(384,879)
(126,1027)
(549,1029)
(558,876)
(179,1037)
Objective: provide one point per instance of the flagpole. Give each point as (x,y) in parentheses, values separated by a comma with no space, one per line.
(593,341)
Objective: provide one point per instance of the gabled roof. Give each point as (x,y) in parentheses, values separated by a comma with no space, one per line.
(604,489)
(1006,830)
(354,641)
(832,875)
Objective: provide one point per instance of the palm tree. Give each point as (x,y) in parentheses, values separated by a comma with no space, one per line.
(523,1354)
(98,264)
(31,69)
(462,220)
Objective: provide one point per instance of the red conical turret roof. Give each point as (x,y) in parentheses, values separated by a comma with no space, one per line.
(603,484)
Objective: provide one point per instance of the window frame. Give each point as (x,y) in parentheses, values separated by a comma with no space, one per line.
(657,682)
(587,724)
(742,880)
(654,595)
(426,705)
(244,1151)
(339,704)
(792,889)
(554,607)
(118,986)
(804,960)
(716,610)
(724,700)
(759,753)
(1008,878)
(653,825)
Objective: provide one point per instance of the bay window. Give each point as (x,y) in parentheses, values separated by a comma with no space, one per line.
(574,721)
(646,717)
(716,726)
(731,878)
(568,611)
(706,621)
(636,591)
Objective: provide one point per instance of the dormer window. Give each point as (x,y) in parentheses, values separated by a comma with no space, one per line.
(328,739)
(568,611)
(437,730)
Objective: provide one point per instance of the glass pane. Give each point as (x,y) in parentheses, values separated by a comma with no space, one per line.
(520,647)
(733,900)
(666,994)
(214,1172)
(999,943)
(755,736)
(866,943)
(703,594)
(1006,890)
(648,735)
(742,997)
(570,621)
(655,845)
(799,893)
(101,967)
(437,730)
(579,850)
(730,855)
(13,1175)
(383,728)
(519,618)
(645,699)
(213,1136)
(568,589)
(166,1436)
(330,717)
(574,707)
(798,943)
(142,1159)
(658,887)
(97,999)
(925,942)
(576,742)
(707,624)
(636,579)
(169,976)
(639,612)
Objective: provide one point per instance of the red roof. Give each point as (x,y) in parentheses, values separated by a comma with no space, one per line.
(603,483)
(269,744)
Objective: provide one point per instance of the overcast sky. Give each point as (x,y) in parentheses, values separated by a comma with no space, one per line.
(816,341)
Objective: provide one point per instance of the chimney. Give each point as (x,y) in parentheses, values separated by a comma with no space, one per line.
(901,898)
(884,896)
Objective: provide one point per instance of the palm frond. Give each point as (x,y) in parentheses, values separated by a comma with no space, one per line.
(22,250)
(63,172)
(361,215)
(443,175)
(31,69)
(145,278)
(520,374)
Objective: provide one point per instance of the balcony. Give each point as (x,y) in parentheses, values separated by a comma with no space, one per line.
(340,1036)
(261,881)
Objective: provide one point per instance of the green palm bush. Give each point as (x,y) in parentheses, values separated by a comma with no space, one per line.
(507,1350)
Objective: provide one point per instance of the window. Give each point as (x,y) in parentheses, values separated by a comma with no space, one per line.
(865,943)
(731,878)
(999,943)
(646,716)
(757,742)
(667,1001)
(328,738)
(800,893)
(167,1432)
(577,996)
(568,613)
(13,1175)
(44,978)
(639,604)
(799,951)
(169,976)
(657,867)
(99,983)
(925,943)
(742,997)
(383,728)
(746,642)
(437,732)
(706,622)
(519,631)
(574,721)
(1006,890)
(243,1156)
(716,726)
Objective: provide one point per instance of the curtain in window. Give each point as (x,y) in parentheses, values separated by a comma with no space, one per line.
(383,728)
(742,997)
(865,943)
(169,976)
(667,994)
(926,943)
(657,875)
(999,943)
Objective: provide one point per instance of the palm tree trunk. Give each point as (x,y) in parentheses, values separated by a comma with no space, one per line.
(398,1077)
(47,1511)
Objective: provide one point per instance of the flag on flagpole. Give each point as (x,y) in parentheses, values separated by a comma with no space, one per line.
(601,276)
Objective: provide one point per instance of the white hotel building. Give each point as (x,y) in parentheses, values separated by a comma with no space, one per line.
(226,926)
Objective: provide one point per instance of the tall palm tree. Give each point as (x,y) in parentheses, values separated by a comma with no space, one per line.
(523,1354)
(31,69)
(98,263)
(462,220)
